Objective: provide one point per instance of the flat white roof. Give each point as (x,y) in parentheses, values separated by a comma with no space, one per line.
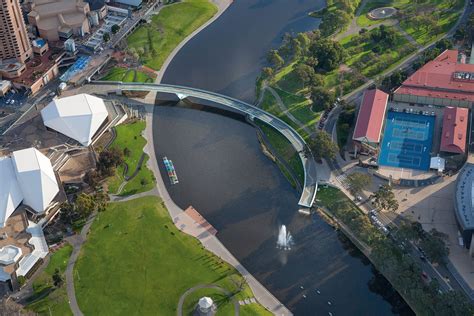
(78,117)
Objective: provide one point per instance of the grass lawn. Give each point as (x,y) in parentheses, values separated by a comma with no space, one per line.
(56,302)
(155,41)
(127,75)
(285,150)
(445,14)
(270,105)
(136,262)
(129,136)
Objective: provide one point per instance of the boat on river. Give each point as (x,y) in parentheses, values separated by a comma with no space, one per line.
(170,170)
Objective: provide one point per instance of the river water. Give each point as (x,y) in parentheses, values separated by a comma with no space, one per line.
(225,176)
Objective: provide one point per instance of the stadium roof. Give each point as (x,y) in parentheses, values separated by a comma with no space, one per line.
(464,205)
(371,115)
(10,192)
(453,137)
(78,117)
(35,177)
(442,77)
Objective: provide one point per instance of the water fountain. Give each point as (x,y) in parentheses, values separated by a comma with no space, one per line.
(285,240)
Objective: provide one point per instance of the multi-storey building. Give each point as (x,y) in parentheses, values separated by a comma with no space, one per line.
(14,42)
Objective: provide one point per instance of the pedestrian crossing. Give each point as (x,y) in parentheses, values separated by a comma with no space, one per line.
(342,180)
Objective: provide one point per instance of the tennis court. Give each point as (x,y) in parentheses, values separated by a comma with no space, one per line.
(407,141)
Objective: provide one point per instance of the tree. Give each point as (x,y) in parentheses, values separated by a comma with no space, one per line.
(384,198)
(92,178)
(305,73)
(115,28)
(67,212)
(275,59)
(323,147)
(303,42)
(267,72)
(106,37)
(101,200)
(329,54)
(322,97)
(58,280)
(108,160)
(434,246)
(85,204)
(357,182)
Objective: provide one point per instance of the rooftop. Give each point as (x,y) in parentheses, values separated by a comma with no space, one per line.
(78,116)
(443,77)
(371,116)
(51,14)
(453,137)
(464,206)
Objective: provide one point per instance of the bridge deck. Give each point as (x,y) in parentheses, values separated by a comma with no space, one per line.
(310,171)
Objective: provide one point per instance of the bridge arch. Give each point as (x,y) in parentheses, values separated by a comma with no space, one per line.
(310,186)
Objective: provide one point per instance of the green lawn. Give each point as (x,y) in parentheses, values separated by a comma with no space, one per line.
(136,262)
(445,13)
(155,41)
(285,150)
(129,136)
(126,75)
(46,298)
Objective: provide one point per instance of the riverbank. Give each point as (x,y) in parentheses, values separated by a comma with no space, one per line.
(209,241)
(222,5)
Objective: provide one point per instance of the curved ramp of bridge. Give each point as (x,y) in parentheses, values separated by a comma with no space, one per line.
(310,173)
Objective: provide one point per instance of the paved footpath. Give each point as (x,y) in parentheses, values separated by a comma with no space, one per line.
(76,241)
(221,5)
(186,224)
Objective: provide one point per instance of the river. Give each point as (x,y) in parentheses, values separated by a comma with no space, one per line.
(225,176)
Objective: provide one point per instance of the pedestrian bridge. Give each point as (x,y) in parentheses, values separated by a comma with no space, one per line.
(310,174)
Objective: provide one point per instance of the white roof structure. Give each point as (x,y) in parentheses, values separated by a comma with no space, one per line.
(35,177)
(437,163)
(41,249)
(78,116)
(205,303)
(10,192)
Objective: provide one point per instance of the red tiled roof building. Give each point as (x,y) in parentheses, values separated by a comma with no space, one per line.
(443,81)
(370,118)
(453,136)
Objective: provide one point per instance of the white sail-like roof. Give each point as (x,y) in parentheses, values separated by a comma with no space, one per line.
(10,192)
(78,116)
(36,178)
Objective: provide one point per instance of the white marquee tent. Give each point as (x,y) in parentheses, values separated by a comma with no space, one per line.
(78,116)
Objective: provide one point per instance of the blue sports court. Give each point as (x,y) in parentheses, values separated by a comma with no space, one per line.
(407,141)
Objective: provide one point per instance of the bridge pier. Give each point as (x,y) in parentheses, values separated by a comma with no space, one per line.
(181,96)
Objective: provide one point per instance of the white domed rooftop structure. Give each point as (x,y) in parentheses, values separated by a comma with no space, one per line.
(9,255)
(35,177)
(205,304)
(10,192)
(78,116)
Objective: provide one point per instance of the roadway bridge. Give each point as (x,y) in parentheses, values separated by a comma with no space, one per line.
(310,187)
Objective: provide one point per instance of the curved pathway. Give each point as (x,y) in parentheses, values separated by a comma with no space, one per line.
(76,241)
(222,5)
(285,110)
(310,187)
(204,286)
